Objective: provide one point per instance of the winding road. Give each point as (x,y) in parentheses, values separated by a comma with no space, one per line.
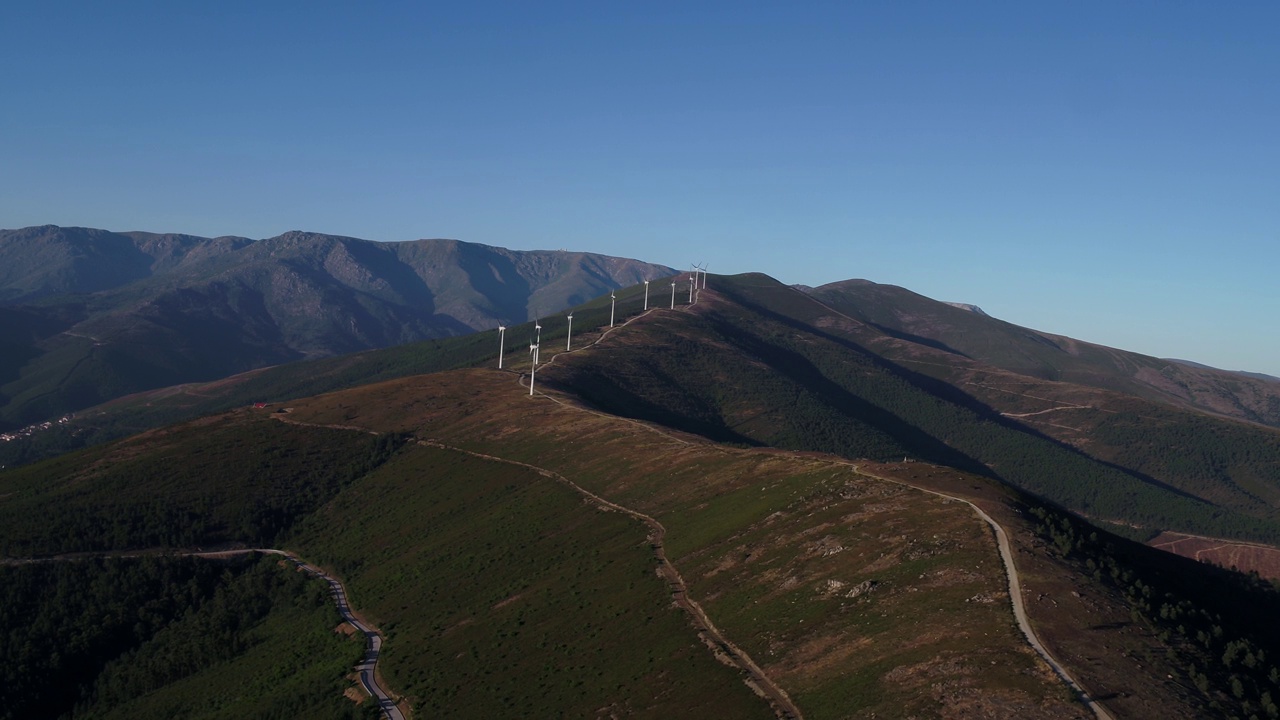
(782,705)
(1015,592)
(1002,541)
(368,667)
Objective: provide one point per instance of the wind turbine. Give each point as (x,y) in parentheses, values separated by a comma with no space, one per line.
(502,337)
(673,294)
(537,326)
(533,369)
(569,338)
(691,284)
(646,294)
(613,303)
(700,269)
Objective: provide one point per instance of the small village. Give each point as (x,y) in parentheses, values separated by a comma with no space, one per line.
(30,430)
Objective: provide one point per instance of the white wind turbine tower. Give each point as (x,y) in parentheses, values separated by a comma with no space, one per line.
(691,283)
(537,327)
(646,294)
(502,336)
(673,294)
(533,368)
(613,303)
(569,338)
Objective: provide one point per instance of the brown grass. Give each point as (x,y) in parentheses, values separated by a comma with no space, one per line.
(1263,559)
(771,544)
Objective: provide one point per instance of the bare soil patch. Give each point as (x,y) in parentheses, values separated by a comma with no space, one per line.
(1228,553)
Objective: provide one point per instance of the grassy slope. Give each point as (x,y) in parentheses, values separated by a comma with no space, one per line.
(924,322)
(293,665)
(503,595)
(157,408)
(761,537)
(1226,462)
(893,651)
(165,637)
(230,478)
(772,546)
(759,360)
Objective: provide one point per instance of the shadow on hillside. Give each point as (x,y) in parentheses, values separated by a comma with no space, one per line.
(944,391)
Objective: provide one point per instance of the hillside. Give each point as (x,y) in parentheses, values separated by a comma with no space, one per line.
(155,408)
(132,637)
(851,590)
(1099,401)
(851,587)
(918,321)
(756,362)
(89,315)
(759,363)
(558,587)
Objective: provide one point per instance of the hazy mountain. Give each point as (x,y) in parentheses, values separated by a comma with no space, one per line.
(88,314)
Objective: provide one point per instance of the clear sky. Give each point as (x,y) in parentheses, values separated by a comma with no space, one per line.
(1107,170)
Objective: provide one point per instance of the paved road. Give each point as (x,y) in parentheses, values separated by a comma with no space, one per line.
(368,667)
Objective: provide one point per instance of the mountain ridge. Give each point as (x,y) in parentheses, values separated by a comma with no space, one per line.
(755,363)
(914,318)
(88,314)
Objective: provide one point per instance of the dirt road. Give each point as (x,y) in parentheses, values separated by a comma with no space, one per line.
(782,705)
(1015,592)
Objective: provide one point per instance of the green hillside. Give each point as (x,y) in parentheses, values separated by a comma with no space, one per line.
(969,336)
(164,637)
(759,362)
(143,411)
(236,478)
(499,588)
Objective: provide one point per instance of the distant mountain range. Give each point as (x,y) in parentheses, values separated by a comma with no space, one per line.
(87,315)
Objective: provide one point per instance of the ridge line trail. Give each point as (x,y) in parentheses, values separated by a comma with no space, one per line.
(366,669)
(520,376)
(782,705)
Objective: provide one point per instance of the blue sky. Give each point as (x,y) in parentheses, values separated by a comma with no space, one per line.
(1103,170)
